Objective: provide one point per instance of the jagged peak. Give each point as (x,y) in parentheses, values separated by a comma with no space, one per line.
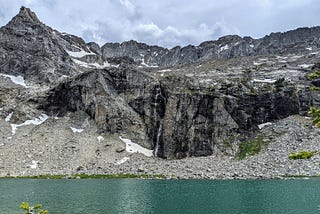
(25,15)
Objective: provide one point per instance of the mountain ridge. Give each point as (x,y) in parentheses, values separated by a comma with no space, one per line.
(225,47)
(229,46)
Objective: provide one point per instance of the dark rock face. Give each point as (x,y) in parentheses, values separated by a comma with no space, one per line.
(175,124)
(94,47)
(118,100)
(198,123)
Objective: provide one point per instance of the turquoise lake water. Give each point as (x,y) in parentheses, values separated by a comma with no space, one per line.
(92,196)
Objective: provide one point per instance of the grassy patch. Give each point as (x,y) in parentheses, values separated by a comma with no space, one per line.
(229,141)
(315,114)
(300,176)
(302,155)
(251,147)
(314,88)
(313,75)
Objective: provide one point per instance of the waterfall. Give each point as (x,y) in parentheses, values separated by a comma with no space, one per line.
(157,117)
(159,131)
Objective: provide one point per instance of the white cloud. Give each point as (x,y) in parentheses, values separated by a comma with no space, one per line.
(128,6)
(149,29)
(171,36)
(29,1)
(167,23)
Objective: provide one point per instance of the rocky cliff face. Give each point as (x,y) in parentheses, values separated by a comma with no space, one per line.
(212,97)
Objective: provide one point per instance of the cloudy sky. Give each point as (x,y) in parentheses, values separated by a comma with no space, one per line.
(168,22)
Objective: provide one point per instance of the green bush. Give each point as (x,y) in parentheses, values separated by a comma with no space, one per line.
(251,147)
(302,155)
(315,114)
(314,88)
(313,75)
(279,83)
(32,210)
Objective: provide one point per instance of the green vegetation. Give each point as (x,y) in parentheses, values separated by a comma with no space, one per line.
(313,75)
(212,88)
(85,176)
(97,176)
(302,155)
(314,88)
(32,210)
(279,83)
(299,176)
(315,114)
(229,141)
(251,147)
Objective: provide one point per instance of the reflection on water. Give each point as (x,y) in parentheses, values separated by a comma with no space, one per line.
(158,196)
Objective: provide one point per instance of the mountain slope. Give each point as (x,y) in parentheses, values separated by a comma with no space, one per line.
(81,103)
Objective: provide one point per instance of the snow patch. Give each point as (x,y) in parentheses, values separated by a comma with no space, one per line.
(225,47)
(8,118)
(282,57)
(100,138)
(37,121)
(150,66)
(164,70)
(305,65)
(145,64)
(34,164)
(135,148)
(265,81)
(123,160)
(18,80)
(79,54)
(264,124)
(75,130)
(296,57)
(257,63)
(91,65)
(314,53)
(83,64)
(115,66)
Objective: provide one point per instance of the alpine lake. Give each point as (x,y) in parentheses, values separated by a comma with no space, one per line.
(162,196)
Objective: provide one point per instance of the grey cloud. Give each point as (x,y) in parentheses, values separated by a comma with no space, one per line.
(167,23)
